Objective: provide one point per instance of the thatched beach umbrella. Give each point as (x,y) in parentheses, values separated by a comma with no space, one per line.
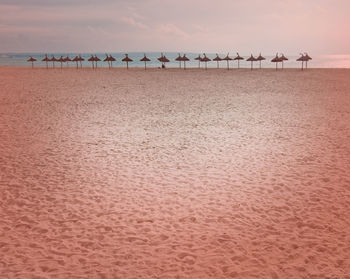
(163,59)
(199,58)
(127,60)
(217,59)
(31,59)
(111,59)
(185,59)
(238,58)
(53,60)
(307,58)
(179,58)
(251,59)
(81,59)
(107,59)
(276,59)
(145,59)
(92,60)
(61,60)
(303,59)
(67,59)
(227,58)
(96,59)
(260,58)
(46,59)
(205,59)
(283,58)
(76,60)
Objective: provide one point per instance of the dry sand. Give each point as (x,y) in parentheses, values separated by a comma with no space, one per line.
(174,174)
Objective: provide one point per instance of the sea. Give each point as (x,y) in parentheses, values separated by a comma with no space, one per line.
(319,61)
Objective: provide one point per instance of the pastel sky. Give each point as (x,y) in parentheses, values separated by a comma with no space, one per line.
(267,26)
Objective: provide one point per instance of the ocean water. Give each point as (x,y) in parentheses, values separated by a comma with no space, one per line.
(321,61)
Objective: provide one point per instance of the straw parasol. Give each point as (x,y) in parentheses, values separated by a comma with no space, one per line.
(217,59)
(111,59)
(81,59)
(260,58)
(107,59)
(92,60)
(199,58)
(185,59)
(276,59)
(179,58)
(145,59)
(251,59)
(205,59)
(61,60)
(307,58)
(76,60)
(31,59)
(303,59)
(227,58)
(238,58)
(127,60)
(283,58)
(46,59)
(163,59)
(67,59)
(96,59)
(53,60)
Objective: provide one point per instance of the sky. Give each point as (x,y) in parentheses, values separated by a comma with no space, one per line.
(266,26)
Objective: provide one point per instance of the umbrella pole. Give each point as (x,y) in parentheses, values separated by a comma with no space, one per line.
(238,64)
(32,65)
(260,64)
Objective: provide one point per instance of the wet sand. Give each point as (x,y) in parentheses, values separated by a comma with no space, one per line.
(174,174)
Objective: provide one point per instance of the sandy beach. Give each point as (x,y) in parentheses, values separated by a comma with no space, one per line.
(174,174)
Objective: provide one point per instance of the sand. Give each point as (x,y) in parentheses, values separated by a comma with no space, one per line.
(174,174)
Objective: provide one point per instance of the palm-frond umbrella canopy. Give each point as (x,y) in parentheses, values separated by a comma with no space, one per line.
(145,59)
(251,59)
(53,60)
(307,57)
(32,60)
(185,59)
(227,58)
(205,59)
(217,59)
(61,60)
(179,58)
(107,59)
(67,59)
(238,58)
(303,59)
(96,59)
(92,60)
(76,60)
(127,60)
(163,59)
(276,59)
(283,58)
(199,58)
(81,59)
(260,58)
(46,59)
(112,59)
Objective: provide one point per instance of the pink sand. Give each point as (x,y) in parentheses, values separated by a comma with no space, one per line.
(174,174)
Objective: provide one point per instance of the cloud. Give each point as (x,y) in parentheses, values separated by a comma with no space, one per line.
(133,22)
(171,29)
